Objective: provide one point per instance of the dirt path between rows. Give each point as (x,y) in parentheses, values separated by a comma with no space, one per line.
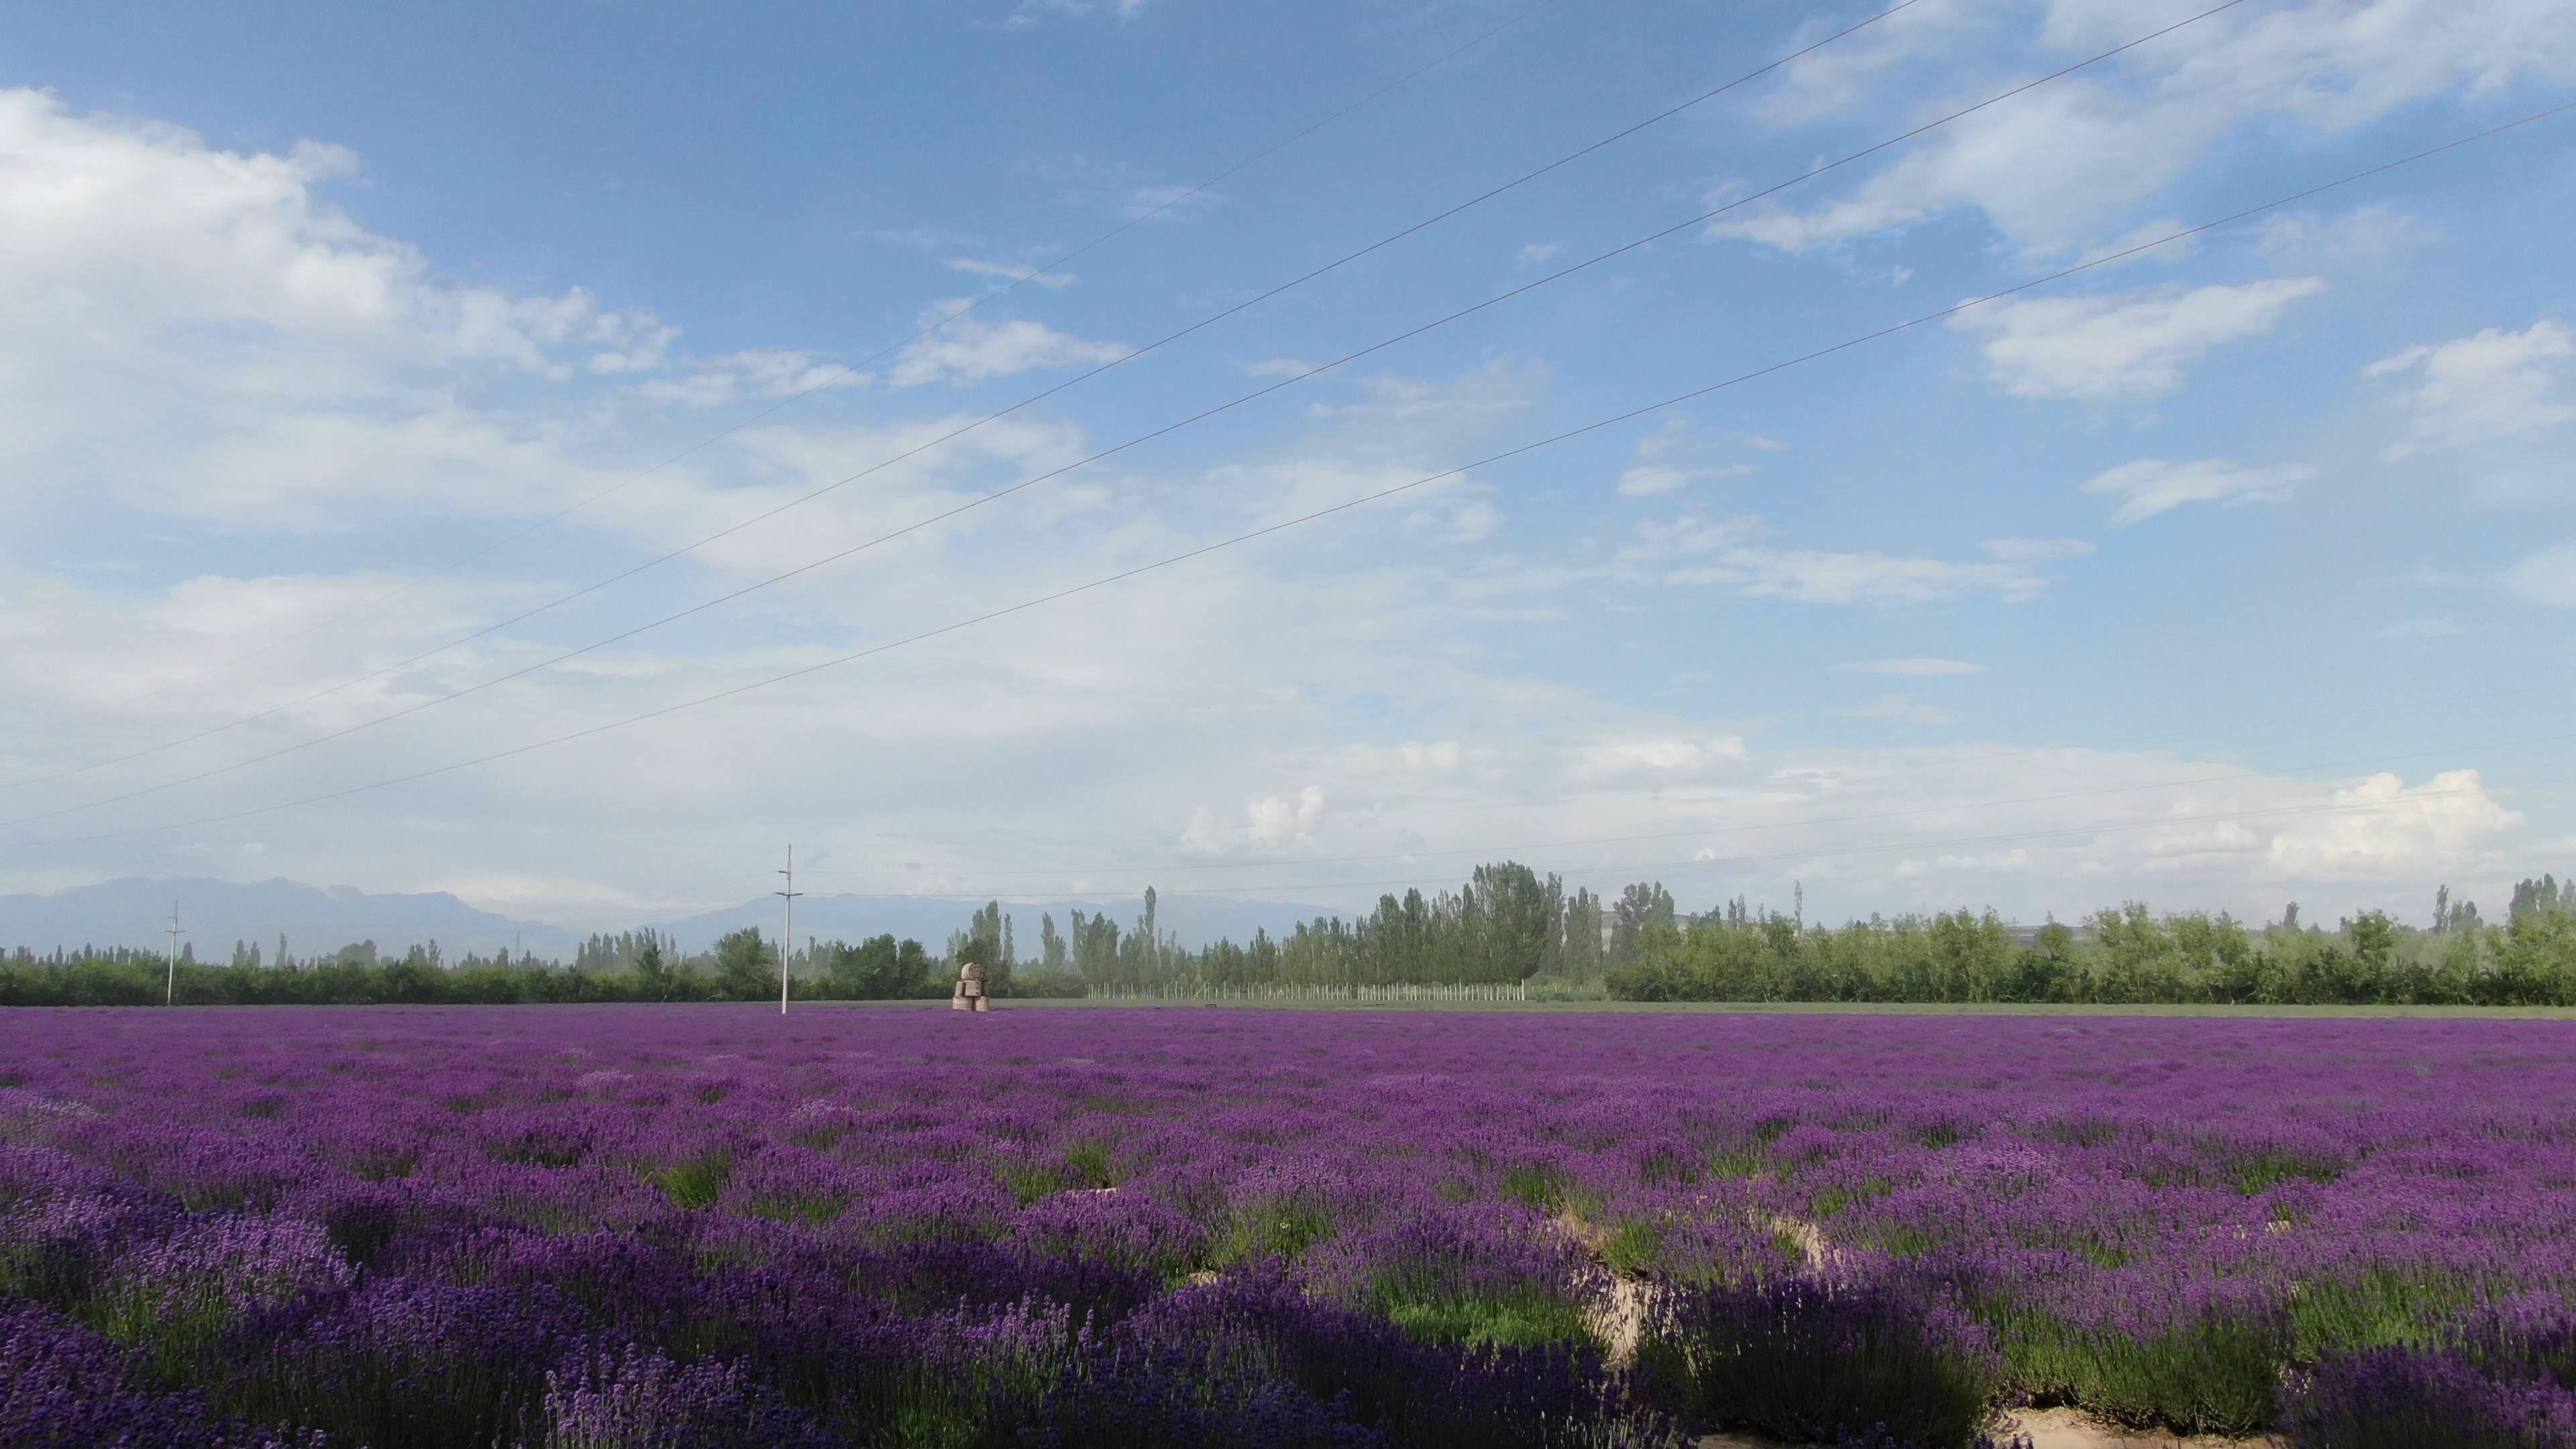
(2048,1429)
(1621,1323)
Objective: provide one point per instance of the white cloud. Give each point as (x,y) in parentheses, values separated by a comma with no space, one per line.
(1457,519)
(1992,862)
(1029,13)
(2131,344)
(2365,239)
(2546,577)
(1169,201)
(1810,576)
(1672,458)
(1910,668)
(1648,480)
(2145,244)
(2053,169)
(752,374)
(1052,281)
(130,237)
(1537,253)
(1280,367)
(2035,550)
(2404,831)
(1427,423)
(970,350)
(1269,825)
(2492,387)
(2151,486)
(1649,763)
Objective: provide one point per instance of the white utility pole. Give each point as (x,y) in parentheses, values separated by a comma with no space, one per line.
(170,966)
(787,927)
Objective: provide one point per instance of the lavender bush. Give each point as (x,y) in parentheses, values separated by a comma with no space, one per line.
(878,1226)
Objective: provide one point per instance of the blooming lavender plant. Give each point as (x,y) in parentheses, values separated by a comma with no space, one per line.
(640,1399)
(462,1226)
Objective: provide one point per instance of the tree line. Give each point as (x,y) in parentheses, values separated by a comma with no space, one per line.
(1505,925)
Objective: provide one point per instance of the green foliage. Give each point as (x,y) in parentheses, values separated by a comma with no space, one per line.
(1517,1320)
(696,1182)
(2215,1376)
(2126,955)
(746,969)
(1508,927)
(879,969)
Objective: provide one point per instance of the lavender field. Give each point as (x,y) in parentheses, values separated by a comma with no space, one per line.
(706,1226)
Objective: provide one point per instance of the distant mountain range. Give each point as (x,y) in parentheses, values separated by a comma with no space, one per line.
(216,913)
(136,912)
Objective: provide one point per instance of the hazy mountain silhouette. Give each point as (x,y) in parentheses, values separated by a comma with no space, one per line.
(135,911)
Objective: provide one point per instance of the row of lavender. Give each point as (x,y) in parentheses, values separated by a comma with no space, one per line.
(707,1226)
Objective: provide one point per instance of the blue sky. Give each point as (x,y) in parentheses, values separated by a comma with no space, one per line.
(2228,574)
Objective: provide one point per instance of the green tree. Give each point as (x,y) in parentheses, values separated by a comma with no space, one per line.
(1517,918)
(746,969)
(1638,907)
(653,973)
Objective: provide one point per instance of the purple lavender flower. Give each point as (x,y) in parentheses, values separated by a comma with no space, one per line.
(640,1399)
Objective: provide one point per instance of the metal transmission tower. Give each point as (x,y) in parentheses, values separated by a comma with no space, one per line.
(170,963)
(787,927)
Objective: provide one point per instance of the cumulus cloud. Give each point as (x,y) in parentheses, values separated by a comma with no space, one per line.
(1268,824)
(2124,345)
(752,374)
(2151,486)
(127,236)
(966,349)
(1537,253)
(2394,829)
(2492,387)
(2052,169)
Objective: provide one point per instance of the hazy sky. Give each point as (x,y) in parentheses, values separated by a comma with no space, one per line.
(2235,572)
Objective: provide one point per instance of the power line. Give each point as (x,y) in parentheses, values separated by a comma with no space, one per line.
(831,378)
(1048,392)
(1346,505)
(1030,482)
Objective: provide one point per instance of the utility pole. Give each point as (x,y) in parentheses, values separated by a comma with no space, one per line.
(170,964)
(787,927)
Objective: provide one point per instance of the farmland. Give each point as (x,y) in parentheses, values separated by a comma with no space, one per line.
(705,1225)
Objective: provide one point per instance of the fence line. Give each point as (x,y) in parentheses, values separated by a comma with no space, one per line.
(1480,991)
